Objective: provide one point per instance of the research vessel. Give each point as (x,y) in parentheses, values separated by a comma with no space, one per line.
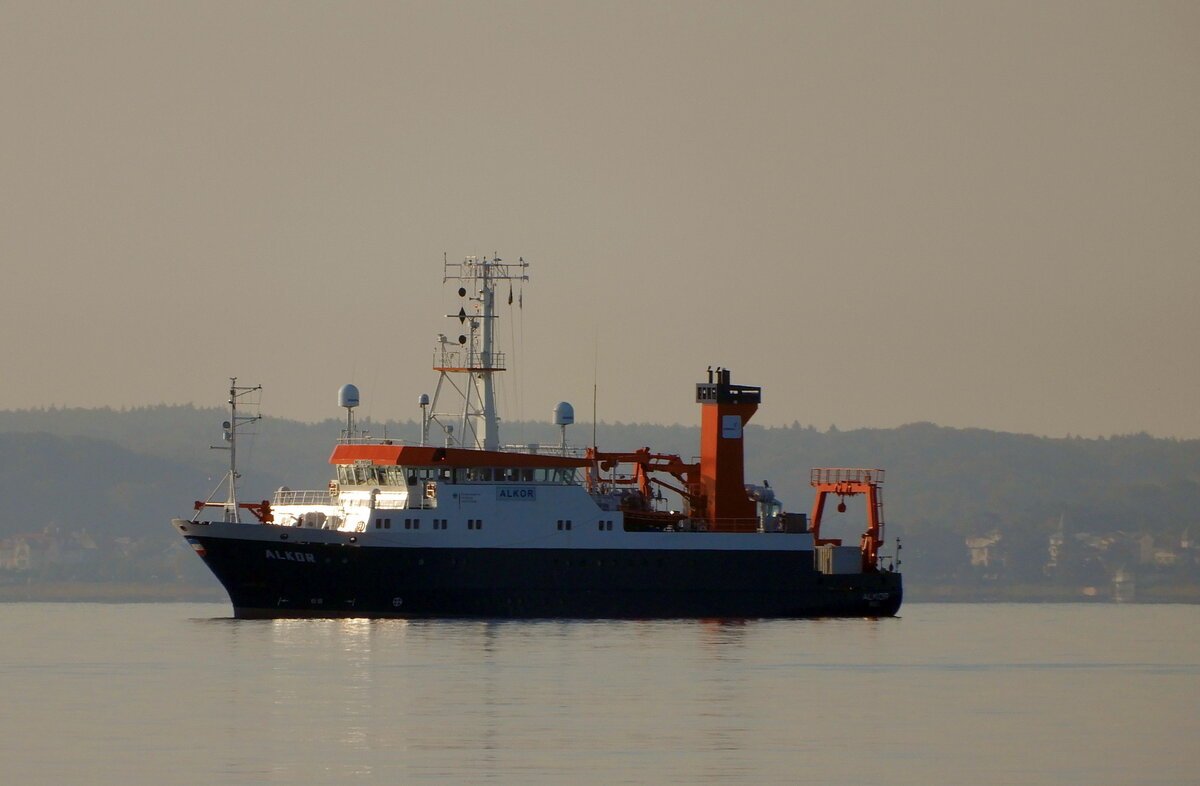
(458,524)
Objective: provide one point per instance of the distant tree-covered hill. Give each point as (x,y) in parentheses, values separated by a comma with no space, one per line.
(125,474)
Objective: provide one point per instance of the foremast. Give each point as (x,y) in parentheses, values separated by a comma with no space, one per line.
(472,354)
(230,428)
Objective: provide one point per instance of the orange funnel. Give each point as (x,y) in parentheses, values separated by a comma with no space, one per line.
(725,410)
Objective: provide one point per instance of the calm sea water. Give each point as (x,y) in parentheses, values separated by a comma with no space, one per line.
(986,693)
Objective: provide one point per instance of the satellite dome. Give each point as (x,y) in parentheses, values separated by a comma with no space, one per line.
(564,414)
(348,396)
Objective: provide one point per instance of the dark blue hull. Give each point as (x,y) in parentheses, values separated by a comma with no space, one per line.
(335,580)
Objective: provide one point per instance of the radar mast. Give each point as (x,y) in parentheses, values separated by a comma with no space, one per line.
(473,353)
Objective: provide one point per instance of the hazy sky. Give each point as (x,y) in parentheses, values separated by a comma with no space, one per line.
(976,214)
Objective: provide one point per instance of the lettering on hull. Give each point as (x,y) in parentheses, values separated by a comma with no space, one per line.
(524,493)
(291,556)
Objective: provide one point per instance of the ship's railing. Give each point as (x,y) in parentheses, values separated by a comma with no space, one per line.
(309,498)
(650,523)
(306,497)
(452,357)
(365,438)
(845,475)
(735,525)
(536,449)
